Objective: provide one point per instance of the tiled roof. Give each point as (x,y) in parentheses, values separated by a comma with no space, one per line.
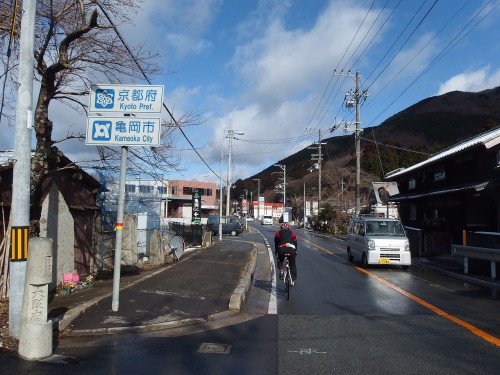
(488,139)
(476,186)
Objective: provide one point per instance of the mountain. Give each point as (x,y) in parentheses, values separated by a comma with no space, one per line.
(404,139)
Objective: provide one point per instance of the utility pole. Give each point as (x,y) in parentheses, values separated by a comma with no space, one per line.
(283,189)
(230,134)
(258,196)
(22,169)
(305,207)
(318,158)
(356,97)
(251,202)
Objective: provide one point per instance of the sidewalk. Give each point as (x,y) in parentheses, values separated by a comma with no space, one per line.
(453,266)
(204,284)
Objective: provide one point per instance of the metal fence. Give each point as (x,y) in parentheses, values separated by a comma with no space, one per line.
(191,234)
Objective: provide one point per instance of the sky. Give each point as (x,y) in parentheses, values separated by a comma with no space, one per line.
(280,71)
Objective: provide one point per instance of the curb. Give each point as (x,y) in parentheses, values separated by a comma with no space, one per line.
(239,294)
(142,328)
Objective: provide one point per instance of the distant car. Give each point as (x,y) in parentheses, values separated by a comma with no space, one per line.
(250,218)
(230,225)
(267,220)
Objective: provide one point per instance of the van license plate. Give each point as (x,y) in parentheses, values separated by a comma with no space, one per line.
(383,261)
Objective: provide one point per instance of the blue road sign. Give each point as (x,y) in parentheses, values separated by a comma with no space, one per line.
(123,131)
(126,98)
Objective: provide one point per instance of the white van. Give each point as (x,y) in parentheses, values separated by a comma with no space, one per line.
(378,240)
(267,220)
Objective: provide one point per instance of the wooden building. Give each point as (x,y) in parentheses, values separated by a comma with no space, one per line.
(69,212)
(452,192)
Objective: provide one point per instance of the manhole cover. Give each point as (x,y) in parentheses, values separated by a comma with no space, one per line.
(209,347)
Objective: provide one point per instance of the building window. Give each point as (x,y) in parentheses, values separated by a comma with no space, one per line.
(129,188)
(439,174)
(202,191)
(413,212)
(146,189)
(411,184)
(174,190)
(161,189)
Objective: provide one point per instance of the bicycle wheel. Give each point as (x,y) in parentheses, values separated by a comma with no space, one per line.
(177,244)
(288,282)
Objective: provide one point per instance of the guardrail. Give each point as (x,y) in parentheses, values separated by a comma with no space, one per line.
(491,255)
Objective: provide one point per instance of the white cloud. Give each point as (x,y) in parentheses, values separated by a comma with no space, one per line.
(269,136)
(472,81)
(286,63)
(175,28)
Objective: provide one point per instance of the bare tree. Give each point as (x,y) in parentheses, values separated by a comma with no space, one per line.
(340,183)
(76,41)
(297,203)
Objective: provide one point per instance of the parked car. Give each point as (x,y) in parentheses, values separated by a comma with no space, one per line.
(230,225)
(378,240)
(267,220)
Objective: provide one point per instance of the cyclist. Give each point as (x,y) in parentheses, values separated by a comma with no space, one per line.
(285,242)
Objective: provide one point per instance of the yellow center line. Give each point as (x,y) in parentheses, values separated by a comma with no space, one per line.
(484,335)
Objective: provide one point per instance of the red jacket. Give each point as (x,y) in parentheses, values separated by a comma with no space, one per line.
(284,236)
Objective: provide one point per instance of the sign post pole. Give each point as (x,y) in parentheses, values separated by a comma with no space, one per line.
(119,231)
(125,132)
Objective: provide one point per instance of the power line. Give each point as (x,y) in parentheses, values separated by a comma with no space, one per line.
(325,103)
(325,108)
(147,79)
(277,141)
(421,50)
(406,41)
(395,41)
(396,147)
(378,31)
(443,52)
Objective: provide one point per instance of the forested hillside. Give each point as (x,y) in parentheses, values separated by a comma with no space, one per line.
(404,139)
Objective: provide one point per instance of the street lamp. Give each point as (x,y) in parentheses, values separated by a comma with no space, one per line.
(220,191)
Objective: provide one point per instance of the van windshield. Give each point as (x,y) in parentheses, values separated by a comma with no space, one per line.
(384,228)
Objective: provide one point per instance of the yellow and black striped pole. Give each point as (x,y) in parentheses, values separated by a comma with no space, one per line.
(19,243)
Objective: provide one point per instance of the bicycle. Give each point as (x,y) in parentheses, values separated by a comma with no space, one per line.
(287,276)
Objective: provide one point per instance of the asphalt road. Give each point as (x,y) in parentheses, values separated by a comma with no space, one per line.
(340,320)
